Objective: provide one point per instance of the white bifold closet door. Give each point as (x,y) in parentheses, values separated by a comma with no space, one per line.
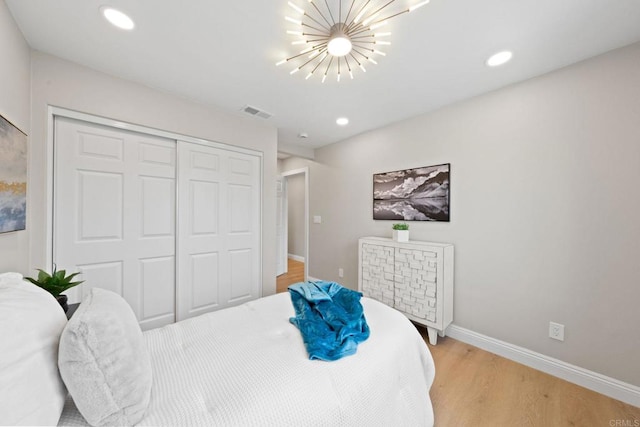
(219,228)
(114,214)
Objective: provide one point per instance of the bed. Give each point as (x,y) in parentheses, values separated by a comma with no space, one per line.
(247,366)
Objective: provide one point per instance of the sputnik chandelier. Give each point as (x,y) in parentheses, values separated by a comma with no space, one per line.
(342,37)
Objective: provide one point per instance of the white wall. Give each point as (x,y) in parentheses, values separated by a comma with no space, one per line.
(295,206)
(60,83)
(544,208)
(15,92)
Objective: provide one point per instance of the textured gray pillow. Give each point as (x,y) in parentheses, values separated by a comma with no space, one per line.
(104,362)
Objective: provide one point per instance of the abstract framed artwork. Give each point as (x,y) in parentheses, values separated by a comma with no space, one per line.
(420,194)
(13,177)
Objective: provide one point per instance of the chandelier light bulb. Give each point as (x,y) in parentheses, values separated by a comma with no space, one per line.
(339,46)
(360,15)
(378,25)
(339,42)
(412,8)
(296,8)
(293,21)
(369,19)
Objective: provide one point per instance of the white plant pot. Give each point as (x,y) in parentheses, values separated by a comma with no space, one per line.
(401,235)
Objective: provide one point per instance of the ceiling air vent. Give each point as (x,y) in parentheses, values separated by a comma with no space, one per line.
(253,111)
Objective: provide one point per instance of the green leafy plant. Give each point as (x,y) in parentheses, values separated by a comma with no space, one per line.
(400,226)
(56,282)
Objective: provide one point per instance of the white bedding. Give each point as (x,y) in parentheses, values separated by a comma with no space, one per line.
(247,366)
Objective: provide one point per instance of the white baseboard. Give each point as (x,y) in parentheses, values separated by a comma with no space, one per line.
(599,383)
(295,257)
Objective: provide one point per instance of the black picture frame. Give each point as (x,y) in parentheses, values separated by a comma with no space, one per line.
(418,194)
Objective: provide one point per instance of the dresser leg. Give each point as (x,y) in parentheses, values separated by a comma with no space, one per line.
(433,336)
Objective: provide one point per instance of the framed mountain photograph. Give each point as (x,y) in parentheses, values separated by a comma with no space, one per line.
(420,194)
(13,177)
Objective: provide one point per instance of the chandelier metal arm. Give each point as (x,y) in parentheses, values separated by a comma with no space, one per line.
(348,65)
(360,53)
(346,18)
(319,46)
(377,11)
(322,39)
(321,14)
(371,24)
(314,35)
(319,63)
(326,28)
(297,56)
(359,12)
(367,36)
(333,20)
(327,69)
(312,27)
(355,59)
(359,31)
(311,60)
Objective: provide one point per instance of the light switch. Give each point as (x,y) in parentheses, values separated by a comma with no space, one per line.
(317,219)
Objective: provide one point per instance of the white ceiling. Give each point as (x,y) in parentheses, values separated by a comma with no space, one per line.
(223,53)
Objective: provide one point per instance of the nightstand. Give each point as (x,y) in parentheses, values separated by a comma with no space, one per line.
(72,309)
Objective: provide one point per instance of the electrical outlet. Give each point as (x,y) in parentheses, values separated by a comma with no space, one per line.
(340,272)
(556,331)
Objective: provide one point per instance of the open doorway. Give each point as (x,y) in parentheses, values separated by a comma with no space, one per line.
(292,228)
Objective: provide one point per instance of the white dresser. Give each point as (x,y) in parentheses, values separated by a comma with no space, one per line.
(413,277)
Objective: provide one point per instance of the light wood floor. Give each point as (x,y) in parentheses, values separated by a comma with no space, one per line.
(476,388)
(294,274)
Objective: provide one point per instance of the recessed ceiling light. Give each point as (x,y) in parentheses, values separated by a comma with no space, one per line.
(499,58)
(342,121)
(117,18)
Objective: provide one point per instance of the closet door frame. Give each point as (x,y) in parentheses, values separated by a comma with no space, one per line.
(53,112)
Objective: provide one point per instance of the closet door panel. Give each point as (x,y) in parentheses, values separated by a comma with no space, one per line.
(243,228)
(157,278)
(205,281)
(106,275)
(219,228)
(100,196)
(114,210)
(241,274)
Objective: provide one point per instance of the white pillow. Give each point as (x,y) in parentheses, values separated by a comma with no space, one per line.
(31,321)
(104,361)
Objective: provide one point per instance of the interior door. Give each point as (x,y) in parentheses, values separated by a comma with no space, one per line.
(282,222)
(219,219)
(114,214)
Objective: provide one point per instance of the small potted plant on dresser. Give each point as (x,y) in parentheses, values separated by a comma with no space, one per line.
(401,232)
(55,283)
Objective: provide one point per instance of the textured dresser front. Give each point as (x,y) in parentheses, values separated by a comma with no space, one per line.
(415,278)
(377,272)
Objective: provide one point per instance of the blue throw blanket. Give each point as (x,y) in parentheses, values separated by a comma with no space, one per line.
(329,317)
